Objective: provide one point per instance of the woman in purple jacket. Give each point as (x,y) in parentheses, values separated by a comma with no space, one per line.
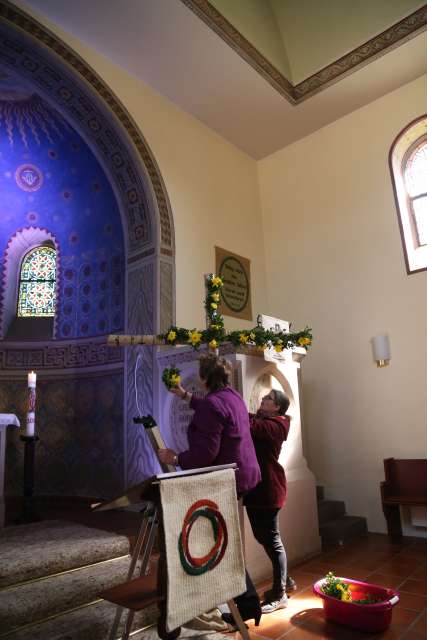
(219,433)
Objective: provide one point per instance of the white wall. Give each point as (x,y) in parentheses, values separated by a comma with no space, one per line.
(335,262)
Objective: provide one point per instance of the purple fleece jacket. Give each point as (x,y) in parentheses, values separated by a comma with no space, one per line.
(219,433)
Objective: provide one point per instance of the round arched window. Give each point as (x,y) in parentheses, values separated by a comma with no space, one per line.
(37,281)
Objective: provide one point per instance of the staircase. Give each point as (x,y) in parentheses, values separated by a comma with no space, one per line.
(50,575)
(335,526)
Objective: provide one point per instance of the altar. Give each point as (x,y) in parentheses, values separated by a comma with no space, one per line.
(255,372)
(6,420)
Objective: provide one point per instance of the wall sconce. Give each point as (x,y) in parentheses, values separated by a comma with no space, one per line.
(381,350)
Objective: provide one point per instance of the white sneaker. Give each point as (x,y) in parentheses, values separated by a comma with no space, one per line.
(269,607)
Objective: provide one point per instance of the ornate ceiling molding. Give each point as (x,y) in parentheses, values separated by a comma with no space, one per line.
(394,36)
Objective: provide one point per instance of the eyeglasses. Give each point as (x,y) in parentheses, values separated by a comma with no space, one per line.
(269,397)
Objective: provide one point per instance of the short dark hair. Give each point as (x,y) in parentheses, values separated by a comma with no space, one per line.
(215,371)
(282,401)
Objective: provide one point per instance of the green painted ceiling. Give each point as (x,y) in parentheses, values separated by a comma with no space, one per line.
(300,37)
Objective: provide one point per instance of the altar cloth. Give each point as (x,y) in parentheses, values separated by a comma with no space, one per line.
(9,419)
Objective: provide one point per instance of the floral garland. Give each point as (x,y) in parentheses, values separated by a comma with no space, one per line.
(215,333)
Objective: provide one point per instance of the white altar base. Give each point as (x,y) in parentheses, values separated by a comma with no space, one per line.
(6,420)
(254,373)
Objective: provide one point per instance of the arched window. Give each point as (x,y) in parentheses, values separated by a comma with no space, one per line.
(408,165)
(416,186)
(36,296)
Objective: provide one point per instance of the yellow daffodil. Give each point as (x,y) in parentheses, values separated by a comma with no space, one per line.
(278,348)
(214,305)
(243,338)
(215,297)
(303,342)
(216,281)
(194,338)
(213,344)
(171,336)
(175,379)
(345,594)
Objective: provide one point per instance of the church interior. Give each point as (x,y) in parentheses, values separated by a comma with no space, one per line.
(138,138)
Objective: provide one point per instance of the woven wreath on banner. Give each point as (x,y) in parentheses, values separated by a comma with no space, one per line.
(204,555)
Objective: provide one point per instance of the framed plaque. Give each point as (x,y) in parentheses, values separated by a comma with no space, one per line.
(235,272)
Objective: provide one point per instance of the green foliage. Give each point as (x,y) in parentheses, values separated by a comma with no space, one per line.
(334,586)
(337,588)
(171,377)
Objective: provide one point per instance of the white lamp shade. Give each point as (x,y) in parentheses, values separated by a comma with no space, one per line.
(381,348)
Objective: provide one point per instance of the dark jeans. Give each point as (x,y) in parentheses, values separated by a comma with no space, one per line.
(265,527)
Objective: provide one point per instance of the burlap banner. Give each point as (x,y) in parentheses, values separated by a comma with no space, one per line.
(205,562)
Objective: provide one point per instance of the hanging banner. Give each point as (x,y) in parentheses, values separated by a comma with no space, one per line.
(235,272)
(204,554)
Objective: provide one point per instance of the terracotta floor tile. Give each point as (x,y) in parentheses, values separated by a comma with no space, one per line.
(420,573)
(397,567)
(369,563)
(400,621)
(373,559)
(418,554)
(391,582)
(272,625)
(418,587)
(343,556)
(412,601)
(353,572)
(311,623)
(315,566)
(413,635)
(421,625)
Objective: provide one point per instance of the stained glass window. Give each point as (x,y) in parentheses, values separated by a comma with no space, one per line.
(37,283)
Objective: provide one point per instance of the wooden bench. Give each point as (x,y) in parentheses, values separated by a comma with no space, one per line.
(405,485)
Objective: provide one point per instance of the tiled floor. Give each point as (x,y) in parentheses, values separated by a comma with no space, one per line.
(374,558)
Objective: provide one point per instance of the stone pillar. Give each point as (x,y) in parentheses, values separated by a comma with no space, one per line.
(256,372)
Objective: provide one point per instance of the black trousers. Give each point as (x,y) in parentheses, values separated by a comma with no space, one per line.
(248,603)
(265,527)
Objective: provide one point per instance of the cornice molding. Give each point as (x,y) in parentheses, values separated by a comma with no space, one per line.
(394,36)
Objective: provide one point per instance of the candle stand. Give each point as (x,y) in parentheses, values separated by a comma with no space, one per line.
(28,514)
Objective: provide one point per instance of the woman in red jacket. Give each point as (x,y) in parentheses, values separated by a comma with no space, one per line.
(269,429)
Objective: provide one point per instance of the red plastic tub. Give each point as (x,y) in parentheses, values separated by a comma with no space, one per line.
(367,617)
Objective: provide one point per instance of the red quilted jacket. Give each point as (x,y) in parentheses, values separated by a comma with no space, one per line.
(268,435)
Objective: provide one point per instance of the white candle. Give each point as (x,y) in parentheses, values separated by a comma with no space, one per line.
(31,415)
(32,378)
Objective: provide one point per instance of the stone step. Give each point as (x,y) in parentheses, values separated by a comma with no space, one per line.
(92,622)
(343,529)
(40,599)
(49,547)
(330,510)
(320,493)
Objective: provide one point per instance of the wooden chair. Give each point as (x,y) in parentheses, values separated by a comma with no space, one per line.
(405,485)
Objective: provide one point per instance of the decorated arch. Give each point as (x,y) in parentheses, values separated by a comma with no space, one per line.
(60,82)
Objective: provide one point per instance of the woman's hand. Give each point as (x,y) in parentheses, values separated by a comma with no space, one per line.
(167,456)
(178,391)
